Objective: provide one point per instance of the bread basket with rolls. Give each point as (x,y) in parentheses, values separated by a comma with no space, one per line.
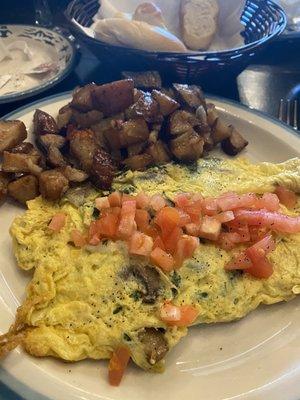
(181,46)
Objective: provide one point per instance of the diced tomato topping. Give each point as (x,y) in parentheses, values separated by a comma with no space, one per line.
(224,242)
(158,242)
(94,240)
(194,211)
(210,206)
(142,219)
(127,223)
(193,229)
(286,196)
(142,200)
(167,219)
(232,201)
(262,269)
(162,259)
(102,202)
(128,197)
(117,365)
(157,202)
(182,200)
(115,199)
(269,201)
(152,231)
(57,222)
(171,239)
(184,218)
(242,261)
(178,316)
(185,248)
(272,220)
(210,228)
(261,249)
(78,238)
(225,216)
(257,233)
(107,226)
(140,244)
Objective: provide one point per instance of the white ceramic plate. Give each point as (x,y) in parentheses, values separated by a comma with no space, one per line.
(255,358)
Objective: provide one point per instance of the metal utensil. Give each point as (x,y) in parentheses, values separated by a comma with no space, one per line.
(288,112)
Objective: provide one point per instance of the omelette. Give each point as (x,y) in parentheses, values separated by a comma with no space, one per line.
(85,302)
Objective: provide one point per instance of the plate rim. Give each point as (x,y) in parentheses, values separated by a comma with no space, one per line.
(13,389)
(9,98)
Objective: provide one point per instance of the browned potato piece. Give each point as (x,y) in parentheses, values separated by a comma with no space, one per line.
(114,97)
(220,131)
(83,147)
(53,184)
(64,116)
(136,149)
(73,174)
(167,105)
(182,121)
(139,162)
(4,180)
(87,119)
(159,152)
(103,169)
(12,133)
(124,134)
(24,189)
(51,140)
(234,144)
(83,98)
(24,148)
(44,123)
(190,95)
(187,147)
(55,158)
(146,107)
(18,162)
(146,80)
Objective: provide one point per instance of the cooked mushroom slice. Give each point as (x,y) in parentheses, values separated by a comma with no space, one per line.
(53,184)
(235,143)
(49,139)
(18,162)
(43,123)
(138,162)
(144,80)
(23,148)
(24,189)
(83,98)
(74,174)
(55,158)
(4,180)
(103,169)
(182,121)
(187,147)
(64,116)
(155,344)
(190,95)
(146,107)
(87,119)
(149,279)
(12,133)
(167,105)
(83,147)
(220,131)
(212,114)
(159,152)
(114,97)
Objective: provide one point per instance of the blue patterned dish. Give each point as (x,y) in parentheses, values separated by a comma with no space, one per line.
(46,48)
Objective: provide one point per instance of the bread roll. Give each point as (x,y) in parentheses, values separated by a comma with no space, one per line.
(150,13)
(199,23)
(136,34)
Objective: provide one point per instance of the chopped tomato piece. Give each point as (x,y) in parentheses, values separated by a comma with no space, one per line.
(178,316)
(241,229)
(184,218)
(242,261)
(170,240)
(272,220)
(224,242)
(142,200)
(162,259)
(117,365)
(128,197)
(210,228)
(102,202)
(127,223)
(107,226)
(142,219)
(182,200)
(112,210)
(210,206)
(262,269)
(167,219)
(94,240)
(194,211)
(140,244)
(158,242)
(185,248)
(57,222)
(286,196)
(261,249)
(232,201)
(269,201)
(78,238)
(157,202)
(115,199)
(225,216)
(193,229)
(152,231)
(257,233)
